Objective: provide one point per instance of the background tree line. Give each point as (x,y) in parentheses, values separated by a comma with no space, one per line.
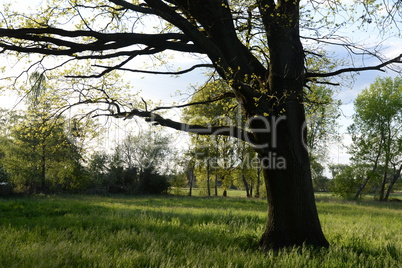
(43,151)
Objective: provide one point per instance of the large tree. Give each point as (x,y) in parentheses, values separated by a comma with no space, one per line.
(255,46)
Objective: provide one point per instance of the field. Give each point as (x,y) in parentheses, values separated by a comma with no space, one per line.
(149,231)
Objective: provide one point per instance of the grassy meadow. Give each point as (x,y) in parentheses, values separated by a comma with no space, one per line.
(177,231)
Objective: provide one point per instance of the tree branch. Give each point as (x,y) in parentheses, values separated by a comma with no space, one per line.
(111,68)
(221,97)
(42,41)
(315,81)
(156,72)
(199,38)
(230,131)
(358,69)
(130,6)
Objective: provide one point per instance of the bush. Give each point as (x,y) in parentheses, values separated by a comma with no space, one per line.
(153,183)
(347,182)
(322,184)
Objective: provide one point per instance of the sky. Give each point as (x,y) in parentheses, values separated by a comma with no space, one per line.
(164,88)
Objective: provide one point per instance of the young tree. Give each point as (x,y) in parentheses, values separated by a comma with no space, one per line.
(255,46)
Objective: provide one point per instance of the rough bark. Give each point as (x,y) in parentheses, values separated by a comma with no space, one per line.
(292,214)
(292,217)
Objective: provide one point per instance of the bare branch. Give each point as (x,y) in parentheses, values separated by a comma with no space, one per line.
(111,68)
(130,6)
(357,69)
(323,82)
(230,131)
(221,97)
(165,73)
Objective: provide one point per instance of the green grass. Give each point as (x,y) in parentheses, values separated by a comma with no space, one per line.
(148,231)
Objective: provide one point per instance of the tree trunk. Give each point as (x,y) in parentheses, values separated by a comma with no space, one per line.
(387,152)
(190,175)
(246,185)
(267,95)
(216,185)
(292,213)
(257,189)
(208,179)
(359,191)
(397,175)
(383,183)
(43,167)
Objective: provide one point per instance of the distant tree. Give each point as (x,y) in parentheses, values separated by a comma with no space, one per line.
(148,149)
(345,183)
(336,169)
(190,174)
(322,113)
(248,167)
(320,182)
(41,153)
(137,165)
(348,179)
(40,158)
(98,171)
(216,160)
(377,132)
